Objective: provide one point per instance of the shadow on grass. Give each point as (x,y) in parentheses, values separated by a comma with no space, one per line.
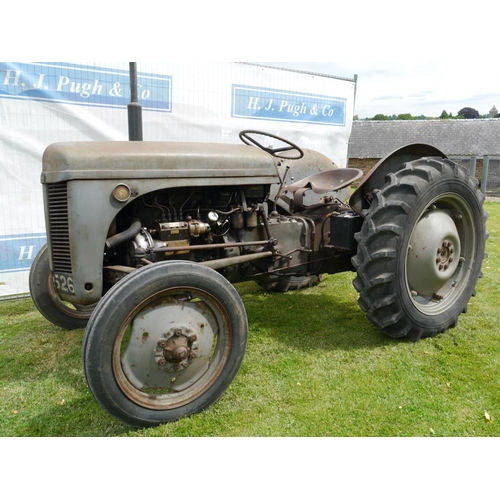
(318,317)
(79,417)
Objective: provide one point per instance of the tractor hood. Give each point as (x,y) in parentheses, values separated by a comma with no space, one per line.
(67,161)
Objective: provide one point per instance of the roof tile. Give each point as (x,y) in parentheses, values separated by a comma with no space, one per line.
(376,139)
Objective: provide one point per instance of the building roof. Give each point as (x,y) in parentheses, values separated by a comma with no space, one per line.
(376,139)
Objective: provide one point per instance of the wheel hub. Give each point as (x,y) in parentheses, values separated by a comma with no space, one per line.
(176,350)
(445,255)
(433,254)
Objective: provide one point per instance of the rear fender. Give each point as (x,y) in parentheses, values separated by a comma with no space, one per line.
(395,161)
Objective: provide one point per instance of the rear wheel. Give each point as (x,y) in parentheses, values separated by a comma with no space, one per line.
(47,300)
(164,343)
(287,283)
(420,249)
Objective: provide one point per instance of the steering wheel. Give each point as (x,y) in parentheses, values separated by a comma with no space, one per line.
(288,152)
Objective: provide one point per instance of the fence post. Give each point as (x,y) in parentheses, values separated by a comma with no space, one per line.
(473,164)
(484,177)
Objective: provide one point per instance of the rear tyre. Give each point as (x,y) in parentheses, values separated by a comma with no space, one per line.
(47,300)
(286,283)
(165,342)
(420,249)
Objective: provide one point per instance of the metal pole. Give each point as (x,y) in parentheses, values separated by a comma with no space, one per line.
(233,261)
(355,79)
(134,108)
(484,176)
(473,164)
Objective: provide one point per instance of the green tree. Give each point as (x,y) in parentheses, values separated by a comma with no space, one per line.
(380,116)
(468,113)
(444,115)
(406,116)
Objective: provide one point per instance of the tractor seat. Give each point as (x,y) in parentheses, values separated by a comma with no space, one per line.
(322,182)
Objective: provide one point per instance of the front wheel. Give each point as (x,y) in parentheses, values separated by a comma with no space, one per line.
(47,300)
(420,249)
(164,343)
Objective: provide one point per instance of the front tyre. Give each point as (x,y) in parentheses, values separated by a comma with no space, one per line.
(47,300)
(420,249)
(164,343)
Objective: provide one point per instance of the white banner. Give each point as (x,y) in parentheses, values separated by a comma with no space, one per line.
(42,103)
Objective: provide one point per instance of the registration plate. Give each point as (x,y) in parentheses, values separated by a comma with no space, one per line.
(64,283)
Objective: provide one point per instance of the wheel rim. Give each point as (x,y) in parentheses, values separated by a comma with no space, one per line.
(440,254)
(75,311)
(171,348)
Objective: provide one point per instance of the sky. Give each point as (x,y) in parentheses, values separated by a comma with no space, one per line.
(431,57)
(419,88)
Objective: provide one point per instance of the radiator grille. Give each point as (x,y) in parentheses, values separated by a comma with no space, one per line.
(59,227)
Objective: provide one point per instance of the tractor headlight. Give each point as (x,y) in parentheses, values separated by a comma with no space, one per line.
(121,192)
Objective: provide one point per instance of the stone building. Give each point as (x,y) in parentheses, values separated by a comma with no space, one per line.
(458,139)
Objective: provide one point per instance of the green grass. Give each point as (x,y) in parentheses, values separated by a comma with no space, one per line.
(314,367)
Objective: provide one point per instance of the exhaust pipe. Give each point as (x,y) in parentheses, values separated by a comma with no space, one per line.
(134,108)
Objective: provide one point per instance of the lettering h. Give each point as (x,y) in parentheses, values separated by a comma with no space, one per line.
(14,77)
(26,254)
(252,103)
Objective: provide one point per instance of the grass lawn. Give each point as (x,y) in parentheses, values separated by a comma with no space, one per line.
(314,367)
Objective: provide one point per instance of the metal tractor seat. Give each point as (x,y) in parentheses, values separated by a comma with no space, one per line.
(320,183)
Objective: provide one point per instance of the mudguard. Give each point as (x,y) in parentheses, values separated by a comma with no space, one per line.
(395,161)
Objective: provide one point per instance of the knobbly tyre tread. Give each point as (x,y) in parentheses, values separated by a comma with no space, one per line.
(387,228)
(291,283)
